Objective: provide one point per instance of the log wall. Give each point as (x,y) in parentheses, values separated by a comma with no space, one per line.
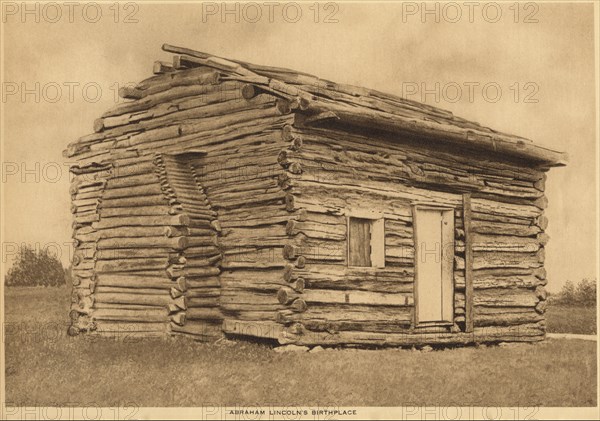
(199,211)
(498,282)
(184,218)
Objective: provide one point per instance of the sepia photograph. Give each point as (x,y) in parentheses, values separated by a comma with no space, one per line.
(299,210)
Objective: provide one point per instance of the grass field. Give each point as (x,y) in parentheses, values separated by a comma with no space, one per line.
(46,367)
(570,319)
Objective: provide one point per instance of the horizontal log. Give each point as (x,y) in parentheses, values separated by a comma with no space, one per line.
(259,329)
(203,331)
(145,282)
(156,98)
(203,292)
(446,133)
(510,281)
(287,295)
(315,230)
(129,329)
(504,209)
(486,242)
(131,221)
(130,281)
(139,299)
(501,297)
(191,272)
(350,317)
(523,333)
(505,316)
(176,243)
(444,158)
(323,275)
(160,210)
(234,308)
(132,232)
(157,200)
(505,260)
(502,228)
(124,265)
(132,191)
(203,314)
(203,303)
(149,315)
(169,255)
(202,282)
(202,251)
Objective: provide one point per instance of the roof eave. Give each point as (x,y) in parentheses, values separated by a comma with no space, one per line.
(495,143)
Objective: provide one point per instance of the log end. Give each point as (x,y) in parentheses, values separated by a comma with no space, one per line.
(178,318)
(543,238)
(298,285)
(175,292)
(287,273)
(299,305)
(184,220)
(295,168)
(290,227)
(128,92)
(282,296)
(301,262)
(290,204)
(284,181)
(181,283)
(216,225)
(180,302)
(73,331)
(282,158)
(541,202)
(289,251)
(287,133)
(161,67)
(283,106)
(249,91)
(98,125)
(540,308)
(540,292)
(540,273)
(296,144)
(181,243)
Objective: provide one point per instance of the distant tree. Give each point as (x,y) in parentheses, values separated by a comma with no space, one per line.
(35,268)
(585,292)
(582,294)
(567,294)
(69,275)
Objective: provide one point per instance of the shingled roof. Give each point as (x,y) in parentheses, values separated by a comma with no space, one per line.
(319,100)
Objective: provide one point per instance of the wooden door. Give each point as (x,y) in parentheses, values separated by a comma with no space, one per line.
(434,255)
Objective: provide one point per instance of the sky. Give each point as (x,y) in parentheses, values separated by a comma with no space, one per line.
(523,68)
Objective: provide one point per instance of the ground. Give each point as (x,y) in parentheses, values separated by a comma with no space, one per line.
(571,319)
(46,367)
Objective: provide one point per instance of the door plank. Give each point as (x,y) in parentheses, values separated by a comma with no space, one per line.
(447,238)
(428,243)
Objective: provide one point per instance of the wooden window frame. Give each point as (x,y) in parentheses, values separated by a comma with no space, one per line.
(377,238)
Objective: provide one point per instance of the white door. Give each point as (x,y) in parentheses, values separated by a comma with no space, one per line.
(434,256)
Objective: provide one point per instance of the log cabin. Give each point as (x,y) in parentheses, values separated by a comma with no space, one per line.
(224,198)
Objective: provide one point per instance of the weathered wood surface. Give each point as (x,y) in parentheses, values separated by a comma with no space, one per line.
(504,234)
(199,201)
(360,106)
